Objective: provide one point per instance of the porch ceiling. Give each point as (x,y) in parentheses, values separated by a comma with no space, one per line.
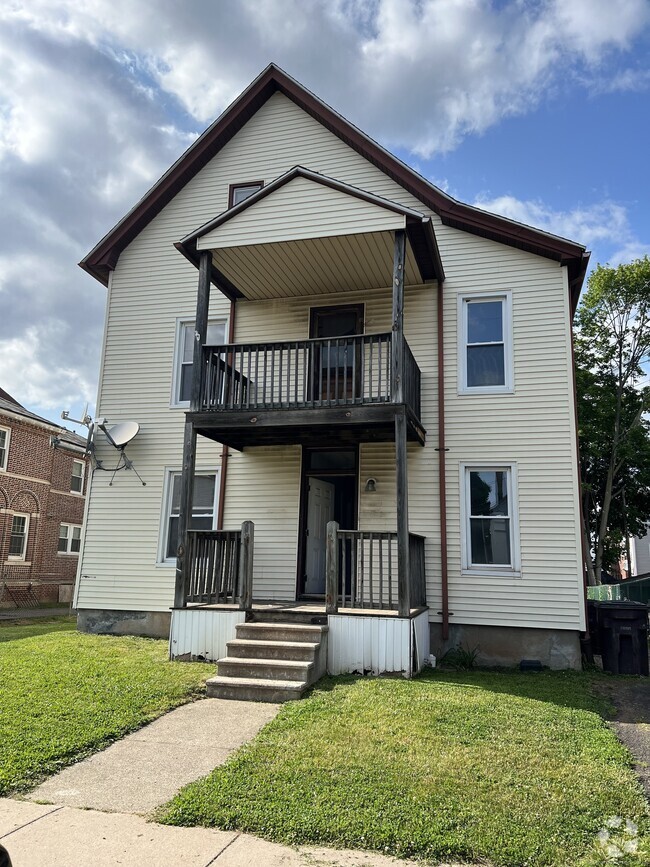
(314,266)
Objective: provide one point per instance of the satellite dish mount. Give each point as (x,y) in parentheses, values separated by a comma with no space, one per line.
(119,436)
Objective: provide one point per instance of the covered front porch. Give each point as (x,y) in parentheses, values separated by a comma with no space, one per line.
(336,388)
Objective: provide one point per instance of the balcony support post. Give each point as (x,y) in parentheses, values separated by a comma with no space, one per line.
(398,396)
(189,439)
(397,355)
(403,553)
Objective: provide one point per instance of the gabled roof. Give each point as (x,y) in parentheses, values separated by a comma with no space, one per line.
(10,404)
(103,257)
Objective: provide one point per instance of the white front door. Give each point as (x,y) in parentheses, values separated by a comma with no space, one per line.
(320,510)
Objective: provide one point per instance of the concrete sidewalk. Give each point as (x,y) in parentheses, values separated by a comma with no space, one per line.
(93,811)
(148,767)
(51,836)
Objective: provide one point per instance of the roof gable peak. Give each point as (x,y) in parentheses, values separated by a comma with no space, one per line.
(103,257)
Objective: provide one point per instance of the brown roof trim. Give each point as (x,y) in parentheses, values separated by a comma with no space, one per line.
(103,257)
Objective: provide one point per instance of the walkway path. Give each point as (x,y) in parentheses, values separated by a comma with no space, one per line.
(94,810)
(631,697)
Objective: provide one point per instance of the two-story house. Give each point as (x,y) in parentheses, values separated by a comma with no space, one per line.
(356,405)
(42,491)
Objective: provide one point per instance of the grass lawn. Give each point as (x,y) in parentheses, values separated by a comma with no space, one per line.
(64,694)
(517,769)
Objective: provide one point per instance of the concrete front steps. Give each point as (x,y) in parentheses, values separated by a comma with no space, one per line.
(271,661)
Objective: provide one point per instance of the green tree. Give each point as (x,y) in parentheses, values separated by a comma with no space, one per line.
(612,351)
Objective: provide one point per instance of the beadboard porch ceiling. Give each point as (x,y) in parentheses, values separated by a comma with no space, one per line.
(314,266)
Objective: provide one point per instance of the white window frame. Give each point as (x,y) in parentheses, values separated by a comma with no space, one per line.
(464,299)
(23,555)
(170,472)
(485,569)
(69,537)
(5,462)
(181,322)
(83,477)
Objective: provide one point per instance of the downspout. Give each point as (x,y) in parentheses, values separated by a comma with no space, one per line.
(224,448)
(442,484)
(583,542)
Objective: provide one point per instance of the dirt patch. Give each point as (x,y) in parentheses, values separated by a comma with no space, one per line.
(631,722)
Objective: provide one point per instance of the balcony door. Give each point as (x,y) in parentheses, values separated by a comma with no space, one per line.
(329,493)
(336,373)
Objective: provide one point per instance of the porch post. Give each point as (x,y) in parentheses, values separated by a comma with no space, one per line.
(403,560)
(246,566)
(397,354)
(189,440)
(403,565)
(332,569)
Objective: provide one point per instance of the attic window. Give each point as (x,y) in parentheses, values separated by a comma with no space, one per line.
(239,192)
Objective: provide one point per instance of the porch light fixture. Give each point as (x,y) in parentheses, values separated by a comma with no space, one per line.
(371,486)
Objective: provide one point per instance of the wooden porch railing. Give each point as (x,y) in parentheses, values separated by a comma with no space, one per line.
(362,570)
(220,567)
(303,374)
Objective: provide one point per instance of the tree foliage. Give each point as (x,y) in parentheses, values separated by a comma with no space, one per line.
(612,353)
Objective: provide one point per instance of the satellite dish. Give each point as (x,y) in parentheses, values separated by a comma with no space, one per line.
(121,434)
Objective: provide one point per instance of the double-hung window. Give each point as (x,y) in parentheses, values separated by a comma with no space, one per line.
(485,344)
(4,447)
(19,537)
(69,539)
(185,353)
(77,480)
(203,509)
(490,519)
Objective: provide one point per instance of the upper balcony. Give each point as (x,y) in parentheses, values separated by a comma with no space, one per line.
(310,237)
(274,393)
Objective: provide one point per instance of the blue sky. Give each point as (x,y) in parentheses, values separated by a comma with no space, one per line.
(537,109)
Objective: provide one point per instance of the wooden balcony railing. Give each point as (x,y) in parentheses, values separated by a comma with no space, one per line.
(303,374)
(220,567)
(362,566)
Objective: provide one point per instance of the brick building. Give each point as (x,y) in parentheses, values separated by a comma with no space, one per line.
(43,471)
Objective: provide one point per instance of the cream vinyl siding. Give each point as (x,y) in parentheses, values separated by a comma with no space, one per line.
(263,486)
(533,427)
(153,284)
(301,209)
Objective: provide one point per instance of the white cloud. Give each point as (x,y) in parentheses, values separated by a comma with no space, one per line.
(420,74)
(603,227)
(98,98)
(27,374)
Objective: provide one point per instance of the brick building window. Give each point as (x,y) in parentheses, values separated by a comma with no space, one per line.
(4,447)
(77,481)
(19,536)
(69,539)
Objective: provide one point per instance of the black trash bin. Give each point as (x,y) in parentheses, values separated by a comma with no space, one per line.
(623,636)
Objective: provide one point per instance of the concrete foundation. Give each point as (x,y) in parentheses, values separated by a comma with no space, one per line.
(508,645)
(150,624)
